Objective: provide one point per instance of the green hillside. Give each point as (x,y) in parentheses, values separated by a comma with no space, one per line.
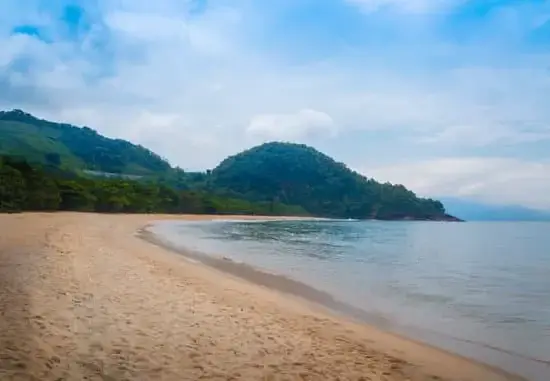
(300,175)
(275,178)
(68,146)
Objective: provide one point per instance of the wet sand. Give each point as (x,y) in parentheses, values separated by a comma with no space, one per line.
(82,296)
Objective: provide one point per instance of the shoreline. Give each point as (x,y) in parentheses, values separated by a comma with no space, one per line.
(90,297)
(478,351)
(322,300)
(258,277)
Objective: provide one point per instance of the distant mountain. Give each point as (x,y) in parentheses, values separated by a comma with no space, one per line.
(300,175)
(477,211)
(67,146)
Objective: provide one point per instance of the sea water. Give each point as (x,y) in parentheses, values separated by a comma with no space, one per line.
(478,289)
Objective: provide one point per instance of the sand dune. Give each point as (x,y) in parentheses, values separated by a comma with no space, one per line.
(83,298)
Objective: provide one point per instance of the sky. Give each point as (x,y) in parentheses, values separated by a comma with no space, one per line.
(448,97)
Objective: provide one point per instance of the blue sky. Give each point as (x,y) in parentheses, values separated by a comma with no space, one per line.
(449,97)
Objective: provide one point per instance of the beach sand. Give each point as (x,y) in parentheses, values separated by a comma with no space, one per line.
(82,297)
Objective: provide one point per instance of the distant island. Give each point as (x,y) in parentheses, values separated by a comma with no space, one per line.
(472,210)
(55,166)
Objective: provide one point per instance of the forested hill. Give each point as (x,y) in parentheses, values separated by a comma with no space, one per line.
(67,146)
(274,178)
(300,175)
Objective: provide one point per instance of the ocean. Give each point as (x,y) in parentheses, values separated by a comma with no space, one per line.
(481,290)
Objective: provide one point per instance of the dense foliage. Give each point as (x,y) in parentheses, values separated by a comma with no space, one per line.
(31,187)
(300,175)
(73,147)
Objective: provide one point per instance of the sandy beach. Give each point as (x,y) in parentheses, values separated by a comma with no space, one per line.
(83,297)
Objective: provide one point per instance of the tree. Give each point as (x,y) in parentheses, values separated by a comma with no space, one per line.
(12,189)
(76,196)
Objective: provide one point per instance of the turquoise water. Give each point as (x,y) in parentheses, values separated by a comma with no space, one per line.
(479,289)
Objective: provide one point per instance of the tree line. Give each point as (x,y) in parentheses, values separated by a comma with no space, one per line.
(32,187)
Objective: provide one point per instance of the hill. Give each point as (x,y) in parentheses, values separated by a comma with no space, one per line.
(275,178)
(296,174)
(67,146)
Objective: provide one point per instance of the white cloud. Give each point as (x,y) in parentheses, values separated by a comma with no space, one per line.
(305,123)
(497,180)
(469,106)
(485,135)
(148,27)
(209,33)
(166,60)
(409,6)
